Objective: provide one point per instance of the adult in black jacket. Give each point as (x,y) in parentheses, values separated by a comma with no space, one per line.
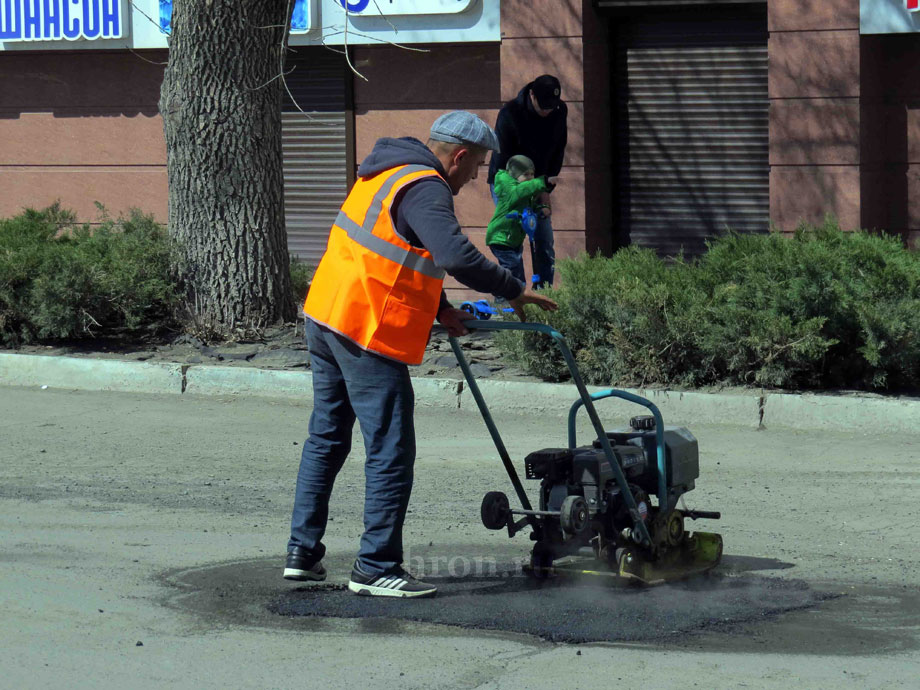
(533,124)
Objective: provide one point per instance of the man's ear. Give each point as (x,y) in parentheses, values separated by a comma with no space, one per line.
(459,155)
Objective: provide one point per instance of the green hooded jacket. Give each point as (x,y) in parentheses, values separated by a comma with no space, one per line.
(512,196)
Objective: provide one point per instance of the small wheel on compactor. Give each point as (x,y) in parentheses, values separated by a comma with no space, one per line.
(675,528)
(495,510)
(573,516)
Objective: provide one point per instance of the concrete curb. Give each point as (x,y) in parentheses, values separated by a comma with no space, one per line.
(438,392)
(842,412)
(273,383)
(90,374)
(678,408)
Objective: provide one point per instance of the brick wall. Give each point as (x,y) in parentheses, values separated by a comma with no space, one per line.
(566,38)
(406,91)
(891,134)
(538,36)
(814,90)
(82,127)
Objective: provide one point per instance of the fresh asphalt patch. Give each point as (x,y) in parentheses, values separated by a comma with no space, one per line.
(564,609)
(741,607)
(503,599)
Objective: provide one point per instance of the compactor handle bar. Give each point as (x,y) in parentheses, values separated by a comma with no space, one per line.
(659,432)
(586,400)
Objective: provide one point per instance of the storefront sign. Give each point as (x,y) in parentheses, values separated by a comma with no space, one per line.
(303,10)
(56,20)
(146,24)
(889,16)
(396,8)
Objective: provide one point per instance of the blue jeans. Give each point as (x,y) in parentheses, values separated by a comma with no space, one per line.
(543,253)
(350,383)
(512,259)
(542,250)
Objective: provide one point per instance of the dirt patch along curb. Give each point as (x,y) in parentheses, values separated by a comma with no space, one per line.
(754,409)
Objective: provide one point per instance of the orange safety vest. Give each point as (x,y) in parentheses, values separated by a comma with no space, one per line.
(371,285)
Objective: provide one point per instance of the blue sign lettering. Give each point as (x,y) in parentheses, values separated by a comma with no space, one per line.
(355,5)
(71,23)
(50,20)
(31,21)
(111,18)
(300,18)
(10,20)
(165,15)
(52,14)
(91,19)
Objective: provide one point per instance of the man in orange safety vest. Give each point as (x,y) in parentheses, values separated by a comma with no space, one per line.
(373,300)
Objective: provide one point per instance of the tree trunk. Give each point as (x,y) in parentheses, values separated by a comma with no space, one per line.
(221,108)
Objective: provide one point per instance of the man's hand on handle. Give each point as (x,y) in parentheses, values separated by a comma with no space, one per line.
(528,297)
(452,319)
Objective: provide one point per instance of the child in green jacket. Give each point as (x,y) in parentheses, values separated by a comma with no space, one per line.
(515,192)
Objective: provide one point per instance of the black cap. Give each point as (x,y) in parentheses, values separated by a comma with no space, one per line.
(547,91)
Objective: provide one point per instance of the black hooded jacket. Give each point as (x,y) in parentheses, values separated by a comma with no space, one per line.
(424,215)
(521,130)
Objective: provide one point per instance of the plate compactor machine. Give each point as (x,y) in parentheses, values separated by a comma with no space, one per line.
(610,507)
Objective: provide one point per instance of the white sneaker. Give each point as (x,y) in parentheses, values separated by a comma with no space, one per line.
(398,583)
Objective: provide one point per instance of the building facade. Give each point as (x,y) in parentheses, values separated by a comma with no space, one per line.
(685,116)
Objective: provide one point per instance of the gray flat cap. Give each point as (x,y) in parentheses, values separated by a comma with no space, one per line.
(461,127)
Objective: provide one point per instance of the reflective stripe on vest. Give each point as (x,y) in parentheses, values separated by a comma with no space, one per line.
(367,239)
(371,285)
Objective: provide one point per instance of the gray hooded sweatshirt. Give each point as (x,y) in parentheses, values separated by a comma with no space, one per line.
(424,214)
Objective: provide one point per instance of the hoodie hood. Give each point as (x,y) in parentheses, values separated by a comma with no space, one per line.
(389,153)
(523,102)
(522,98)
(522,130)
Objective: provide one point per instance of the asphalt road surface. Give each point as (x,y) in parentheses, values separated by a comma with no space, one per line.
(142,541)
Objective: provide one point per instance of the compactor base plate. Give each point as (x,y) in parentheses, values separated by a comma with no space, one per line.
(699,553)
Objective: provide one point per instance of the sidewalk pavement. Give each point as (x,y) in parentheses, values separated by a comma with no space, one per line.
(853,412)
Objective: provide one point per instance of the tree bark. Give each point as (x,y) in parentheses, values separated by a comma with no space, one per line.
(221,108)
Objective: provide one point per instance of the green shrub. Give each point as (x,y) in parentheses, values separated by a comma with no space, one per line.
(536,353)
(627,318)
(59,279)
(823,308)
(301,275)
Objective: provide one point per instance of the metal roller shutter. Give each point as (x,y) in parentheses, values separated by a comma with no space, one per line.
(692,127)
(315,148)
